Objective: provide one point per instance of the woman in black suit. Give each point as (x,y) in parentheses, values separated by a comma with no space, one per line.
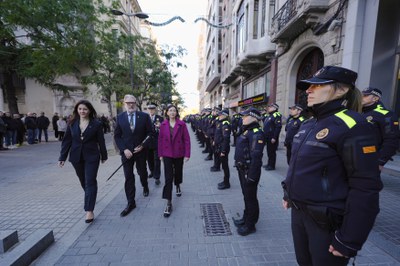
(84,140)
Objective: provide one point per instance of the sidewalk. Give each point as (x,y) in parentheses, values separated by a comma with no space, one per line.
(145,237)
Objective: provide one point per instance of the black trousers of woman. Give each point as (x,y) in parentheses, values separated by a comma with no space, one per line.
(87,174)
(173,171)
(311,243)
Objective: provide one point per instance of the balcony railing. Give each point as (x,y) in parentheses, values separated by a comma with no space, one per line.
(284,15)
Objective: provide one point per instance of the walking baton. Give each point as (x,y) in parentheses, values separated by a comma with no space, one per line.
(116,170)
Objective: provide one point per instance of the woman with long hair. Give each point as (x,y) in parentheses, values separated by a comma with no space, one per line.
(84,141)
(333,181)
(173,148)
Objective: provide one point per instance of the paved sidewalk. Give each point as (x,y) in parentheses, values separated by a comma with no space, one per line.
(145,237)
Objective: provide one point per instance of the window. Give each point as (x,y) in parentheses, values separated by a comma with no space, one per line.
(263,14)
(255,20)
(240,25)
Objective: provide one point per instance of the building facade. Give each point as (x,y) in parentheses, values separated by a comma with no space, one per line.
(270,45)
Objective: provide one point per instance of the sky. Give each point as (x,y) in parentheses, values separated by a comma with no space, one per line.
(178,33)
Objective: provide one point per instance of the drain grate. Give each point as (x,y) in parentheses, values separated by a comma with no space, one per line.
(215,223)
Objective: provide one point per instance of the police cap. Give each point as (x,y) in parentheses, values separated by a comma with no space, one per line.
(328,75)
(372,91)
(224,112)
(252,112)
(151,106)
(297,106)
(275,105)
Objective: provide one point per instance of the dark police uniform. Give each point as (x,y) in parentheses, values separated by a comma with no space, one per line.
(333,180)
(248,161)
(272,129)
(221,140)
(153,160)
(292,127)
(386,128)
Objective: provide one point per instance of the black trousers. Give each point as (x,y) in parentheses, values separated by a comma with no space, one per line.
(225,167)
(87,174)
(271,151)
(311,243)
(251,211)
(288,152)
(153,161)
(130,188)
(173,171)
(217,160)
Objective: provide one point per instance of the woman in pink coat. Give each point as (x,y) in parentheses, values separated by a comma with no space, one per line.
(173,147)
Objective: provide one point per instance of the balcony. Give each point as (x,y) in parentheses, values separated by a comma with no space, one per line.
(294,17)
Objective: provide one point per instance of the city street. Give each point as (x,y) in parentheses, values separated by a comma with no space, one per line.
(36,194)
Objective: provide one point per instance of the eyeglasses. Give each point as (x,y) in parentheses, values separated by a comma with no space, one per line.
(130,102)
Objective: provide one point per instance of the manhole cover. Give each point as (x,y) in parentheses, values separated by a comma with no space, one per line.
(215,223)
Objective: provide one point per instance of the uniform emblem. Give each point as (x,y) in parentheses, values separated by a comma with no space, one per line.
(369,118)
(322,134)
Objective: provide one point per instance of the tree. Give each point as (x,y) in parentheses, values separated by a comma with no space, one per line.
(44,39)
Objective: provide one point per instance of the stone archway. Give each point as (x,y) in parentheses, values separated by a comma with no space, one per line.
(313,61)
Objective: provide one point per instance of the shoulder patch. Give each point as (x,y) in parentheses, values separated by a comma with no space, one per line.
(369,149)
(322,133)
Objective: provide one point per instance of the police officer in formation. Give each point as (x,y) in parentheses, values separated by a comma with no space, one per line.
(248,161)
(211,133)
(272,129)
(208,117)
(385,123)
(333,180)
(292,126)
(221,145)
(235,127)
(153,160)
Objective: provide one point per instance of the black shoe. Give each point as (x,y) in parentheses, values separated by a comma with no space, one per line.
(168,210)
(244,230)
(214,169)
(269,168)
(238,222)
(222,186)
(233,145)
(208,158)
(202,146)
(151,175)
(158,181)
(178,191)
(146,192)
(265,166)
(128,209)
(205,151)
(88,221)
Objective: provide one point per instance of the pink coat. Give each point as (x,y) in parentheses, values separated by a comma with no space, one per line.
(179,146)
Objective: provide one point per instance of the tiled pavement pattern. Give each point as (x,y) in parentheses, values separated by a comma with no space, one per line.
(35,193)
(145,237)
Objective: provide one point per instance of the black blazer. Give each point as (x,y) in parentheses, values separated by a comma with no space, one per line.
(125,138)
(91,147)
(154,143)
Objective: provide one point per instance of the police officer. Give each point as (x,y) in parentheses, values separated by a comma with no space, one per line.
(235,125)
(272,129)
(292,126)
(211,132)
(221,143)
(385,122)
(333,182)
(153,161)
(248,161)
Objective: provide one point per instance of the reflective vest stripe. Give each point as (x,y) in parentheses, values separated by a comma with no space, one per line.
(350,122)
(225,122)
(379,109)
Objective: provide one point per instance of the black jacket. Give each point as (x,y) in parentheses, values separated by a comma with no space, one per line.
(335,164)
(386,128)
(222,136)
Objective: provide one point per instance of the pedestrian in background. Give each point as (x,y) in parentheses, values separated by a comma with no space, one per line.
(62,127)
(173,148)
(248,162)
(20,130)
(31,127)
(333,182)
(132,134)
(85,144)
(43,123)
(385,122)
(292,127)
(54,120)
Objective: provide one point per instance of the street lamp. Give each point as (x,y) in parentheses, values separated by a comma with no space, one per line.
(139,15)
